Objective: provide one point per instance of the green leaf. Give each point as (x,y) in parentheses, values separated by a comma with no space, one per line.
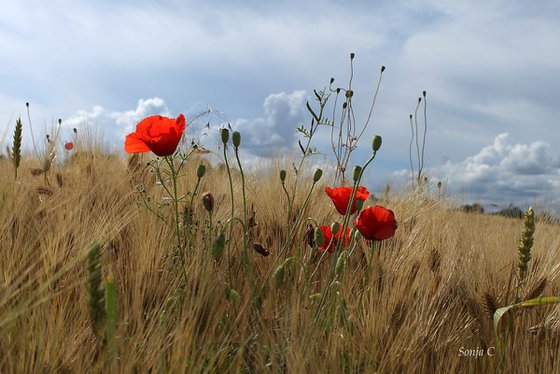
(524,304)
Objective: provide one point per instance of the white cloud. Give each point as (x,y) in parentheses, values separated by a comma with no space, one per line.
(117,124)
(504,173)
(275,131)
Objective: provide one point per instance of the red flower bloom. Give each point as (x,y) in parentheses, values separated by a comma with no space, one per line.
(376,223)
(68,146)
(341,196)
(329,244)
(158,134)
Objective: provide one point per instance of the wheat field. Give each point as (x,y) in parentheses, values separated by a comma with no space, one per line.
(424,305)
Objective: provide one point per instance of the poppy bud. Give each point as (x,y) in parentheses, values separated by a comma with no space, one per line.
(261,250)
(208,201)
(232,295)
(279,276)
(236,139)
(341,264)
(282,175)
(317,175)
(382,69)
(349,94)
(200,171)
(424,93)
(218,245)
(376,143)
(356,174)
(332,80)
(352,55)
(439,184)
(225,135)
(359,204)
(319,237)
(75,130)
(335,226)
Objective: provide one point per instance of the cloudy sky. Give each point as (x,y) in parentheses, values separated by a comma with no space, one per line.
(491,70)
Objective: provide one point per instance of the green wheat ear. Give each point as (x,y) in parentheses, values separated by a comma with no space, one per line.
(16,148)
(526,242)
(95,292)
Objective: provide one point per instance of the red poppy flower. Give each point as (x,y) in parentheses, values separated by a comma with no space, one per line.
(376,223)
(341,196)
(158,134)
(330,244)
(68,146)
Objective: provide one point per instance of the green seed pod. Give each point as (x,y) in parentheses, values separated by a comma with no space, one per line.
(341,264)
(200,171)
(359,204)
(319,237)
(356,173)
(279,276)
(317,175)
(218,245)
(225,135)
(335,226)
(376,143)
(208,201)
(236,139)
(282,175)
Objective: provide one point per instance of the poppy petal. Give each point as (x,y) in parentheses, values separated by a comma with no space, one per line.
(133,144)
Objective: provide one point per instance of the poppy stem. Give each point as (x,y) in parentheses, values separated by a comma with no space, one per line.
(248,268)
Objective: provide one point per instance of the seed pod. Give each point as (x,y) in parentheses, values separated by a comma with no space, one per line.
(376,143)
(225,135)
(282,175)
(317,175)
(236,139)
(200,171)
(357,173)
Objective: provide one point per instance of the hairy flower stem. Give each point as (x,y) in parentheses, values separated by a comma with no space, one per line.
(175,198)
(247,265)
(191,207)
(232,206)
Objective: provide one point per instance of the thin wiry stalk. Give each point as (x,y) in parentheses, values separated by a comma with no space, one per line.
(417,144)
(410,149)
(425,130)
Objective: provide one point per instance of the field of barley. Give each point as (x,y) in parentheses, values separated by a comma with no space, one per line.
(103,271)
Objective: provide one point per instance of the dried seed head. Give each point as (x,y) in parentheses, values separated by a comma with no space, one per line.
(310,235)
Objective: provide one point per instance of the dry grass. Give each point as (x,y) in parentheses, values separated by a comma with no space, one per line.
(429,295)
